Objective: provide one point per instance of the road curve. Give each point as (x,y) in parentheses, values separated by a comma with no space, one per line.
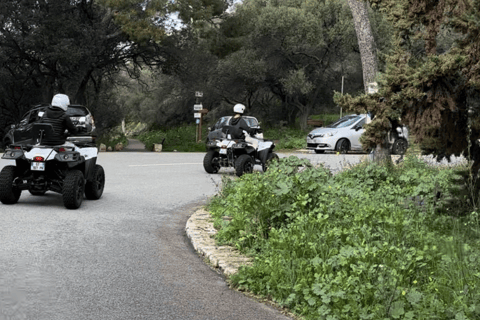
(124,256)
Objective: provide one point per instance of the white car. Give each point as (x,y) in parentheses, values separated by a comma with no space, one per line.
(344,135)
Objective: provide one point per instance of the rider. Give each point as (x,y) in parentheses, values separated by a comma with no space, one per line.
(239,125)
(57,117)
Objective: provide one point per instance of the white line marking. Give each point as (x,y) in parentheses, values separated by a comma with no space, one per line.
(162,164)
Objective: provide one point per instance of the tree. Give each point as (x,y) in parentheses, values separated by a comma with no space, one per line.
(366,41)
(436,94)
(70,47)
(299,46)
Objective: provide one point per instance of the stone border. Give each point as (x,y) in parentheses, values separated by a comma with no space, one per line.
(200,230)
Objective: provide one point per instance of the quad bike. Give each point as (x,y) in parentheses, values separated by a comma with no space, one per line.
(241,154)
(68,169)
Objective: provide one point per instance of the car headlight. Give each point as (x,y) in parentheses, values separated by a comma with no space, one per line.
(331,133)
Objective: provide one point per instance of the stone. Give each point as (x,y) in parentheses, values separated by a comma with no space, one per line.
(103,147)
(109,148)
(119,146)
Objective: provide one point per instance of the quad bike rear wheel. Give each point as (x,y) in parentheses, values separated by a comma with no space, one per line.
(73,188)
(9,193)
(94,188)
(243,164)
(208,164)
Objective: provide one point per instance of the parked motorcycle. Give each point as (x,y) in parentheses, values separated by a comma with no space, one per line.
(68,169)
(241,154)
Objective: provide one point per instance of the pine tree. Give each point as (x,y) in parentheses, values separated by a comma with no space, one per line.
(432,90)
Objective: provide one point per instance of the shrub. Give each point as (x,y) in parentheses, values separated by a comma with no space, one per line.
(372,242)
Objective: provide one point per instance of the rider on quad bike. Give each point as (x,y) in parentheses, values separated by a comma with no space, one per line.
(238,125)
(52,164)
(238,147)
(56,115)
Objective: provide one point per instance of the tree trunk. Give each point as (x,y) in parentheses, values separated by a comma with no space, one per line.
(366,42)
(368,55)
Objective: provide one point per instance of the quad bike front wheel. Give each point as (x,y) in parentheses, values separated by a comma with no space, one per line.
(243,164)
(9,193)
(208,164)
(272,156)
(73,188)
(94,188)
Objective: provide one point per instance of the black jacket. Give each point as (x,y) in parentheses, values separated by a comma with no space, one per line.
(60,122)
(237,126)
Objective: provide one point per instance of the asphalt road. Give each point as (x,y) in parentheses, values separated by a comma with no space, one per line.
(124,256)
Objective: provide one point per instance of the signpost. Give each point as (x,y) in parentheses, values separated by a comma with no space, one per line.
(199,111)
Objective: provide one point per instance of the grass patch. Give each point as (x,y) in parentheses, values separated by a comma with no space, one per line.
(372,242)
(112,139)
(180,139)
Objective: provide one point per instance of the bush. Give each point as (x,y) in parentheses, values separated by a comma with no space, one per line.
(287,138)
(180,139)
(372,242)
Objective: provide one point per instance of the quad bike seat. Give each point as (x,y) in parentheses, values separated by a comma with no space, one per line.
(40,131)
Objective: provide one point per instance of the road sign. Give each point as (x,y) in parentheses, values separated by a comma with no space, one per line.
(197,107)
(203,111)
(197,115)
(198,94)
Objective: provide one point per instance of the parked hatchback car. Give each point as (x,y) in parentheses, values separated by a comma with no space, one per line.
(344,135)
(216,130)
(22,132)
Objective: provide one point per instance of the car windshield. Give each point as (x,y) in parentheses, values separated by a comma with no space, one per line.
(223,121)
(345,121)
(251,122)
(76,111)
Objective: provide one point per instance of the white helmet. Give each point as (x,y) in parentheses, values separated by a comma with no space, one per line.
(61,100)
(239,108)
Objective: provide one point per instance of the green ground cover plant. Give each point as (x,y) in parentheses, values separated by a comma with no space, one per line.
(112,139)
(180,138)
(371,242)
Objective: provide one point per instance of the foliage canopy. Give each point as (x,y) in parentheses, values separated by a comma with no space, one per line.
(433,89)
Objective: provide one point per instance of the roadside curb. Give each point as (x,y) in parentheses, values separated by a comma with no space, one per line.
(200,231)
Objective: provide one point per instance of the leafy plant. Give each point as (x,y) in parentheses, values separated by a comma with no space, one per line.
(372,242)
(180,138)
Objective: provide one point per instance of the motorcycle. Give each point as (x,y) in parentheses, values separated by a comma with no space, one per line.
(241,154)
(69,169)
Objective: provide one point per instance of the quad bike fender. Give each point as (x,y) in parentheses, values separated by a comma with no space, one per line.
(264,148)
(89,166)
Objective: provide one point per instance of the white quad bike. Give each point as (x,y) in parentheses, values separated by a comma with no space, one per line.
(68,169)
(240,154)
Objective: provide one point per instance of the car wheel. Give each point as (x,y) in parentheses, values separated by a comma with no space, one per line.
(343,146)
(243,164)
(400,146)
(9,193)
(73,189)
(94,188)
(272,156)
(209,164)
(319,151)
